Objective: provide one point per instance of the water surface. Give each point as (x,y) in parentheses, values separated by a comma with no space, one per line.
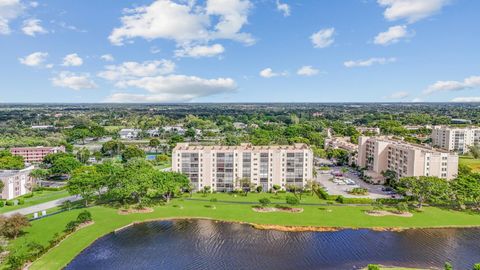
(205,244)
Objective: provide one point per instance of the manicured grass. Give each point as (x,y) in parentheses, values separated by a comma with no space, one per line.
(254,197)
(39,197)
(474,164)
(107,220)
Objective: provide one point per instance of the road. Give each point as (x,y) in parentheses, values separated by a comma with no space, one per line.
(42,206)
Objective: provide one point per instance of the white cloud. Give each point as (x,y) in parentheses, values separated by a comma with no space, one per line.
(284,8)
(369,62)
(32,27)
(411,10)
(107,58)
(467,83)
(74,81)
(174,88)
(323,38)
(466,99)
(200,51)
(307,71)
(185,22)
(393,35)
(417,100)
(398,95)
(268,73)
(34,60)
(135,70)
(72,60)
(9,10)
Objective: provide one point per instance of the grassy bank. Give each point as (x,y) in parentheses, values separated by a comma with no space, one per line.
(38,198)
(108,219)
(474,164)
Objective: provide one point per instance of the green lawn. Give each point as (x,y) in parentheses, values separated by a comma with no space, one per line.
(471,162)
(107,220)
(39,197)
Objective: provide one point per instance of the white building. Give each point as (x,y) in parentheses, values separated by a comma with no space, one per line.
(379,154)
(178,129)
(222,167)
(129,133)
(239,125)
(16,183)
(455,139)
(373,130)
(345,144)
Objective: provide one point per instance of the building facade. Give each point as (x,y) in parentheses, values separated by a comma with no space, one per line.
(35,154)
(224,167)
(16,183)
(379,154)
(455,139)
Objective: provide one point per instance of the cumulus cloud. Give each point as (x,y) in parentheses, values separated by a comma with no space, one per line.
(269,73)
(393,35)
(200,51)
(398,95)
(307,71)
(72,60)
(174,88)
(35,59)
(466,99)
(369,62)
(323,38)
(133,70)
(284,8)
(9,10)
(192,26)
(107,58)
(32,27)
(441,86)
(74,81)
(411,10)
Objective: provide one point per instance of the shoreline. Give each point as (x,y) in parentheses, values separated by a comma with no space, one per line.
(280,228)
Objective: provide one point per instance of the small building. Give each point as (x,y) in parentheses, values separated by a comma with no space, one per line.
(177,129)
(461,121)
(153,132)
(40,127)
(16,183)
(239,125)
(36,154)
(129,133)
(373,130)
(345,144)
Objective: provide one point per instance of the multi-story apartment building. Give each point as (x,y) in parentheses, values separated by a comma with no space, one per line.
(223,167)
(35,154)
(379,154)
(455,139)
(15,183)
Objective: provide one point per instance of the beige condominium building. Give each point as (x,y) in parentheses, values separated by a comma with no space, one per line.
(16,183)
(379,154)
(454,138)
(222,167)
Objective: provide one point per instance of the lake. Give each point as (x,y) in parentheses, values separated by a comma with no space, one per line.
(206,244)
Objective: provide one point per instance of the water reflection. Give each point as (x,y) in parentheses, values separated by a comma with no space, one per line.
(205,244)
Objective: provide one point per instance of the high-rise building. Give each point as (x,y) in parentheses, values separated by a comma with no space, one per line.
(224,167)
(379,154)
(455,139)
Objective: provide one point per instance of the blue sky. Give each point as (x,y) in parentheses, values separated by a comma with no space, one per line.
(240,51)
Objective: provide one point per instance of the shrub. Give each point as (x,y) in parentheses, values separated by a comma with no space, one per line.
(21,201)
(264,201)
(71,226)
(84,216)
(9,203)
(29,195)
(476,266)
(16,261)
(358,191)
(259,189)
(292,200)
(448,266)
(344,200)
(213,200)
(2,203)
(373,267)
(322,194)
(402,207)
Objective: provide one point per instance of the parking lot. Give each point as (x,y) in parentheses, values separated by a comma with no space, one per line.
(337,182)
